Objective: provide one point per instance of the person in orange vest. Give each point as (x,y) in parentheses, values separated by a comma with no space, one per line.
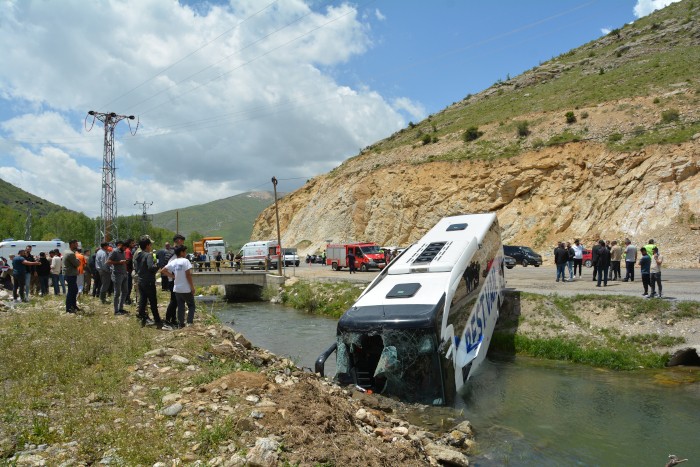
(80,280)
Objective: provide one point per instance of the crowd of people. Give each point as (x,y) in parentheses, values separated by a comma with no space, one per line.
(607,258)
(116,269)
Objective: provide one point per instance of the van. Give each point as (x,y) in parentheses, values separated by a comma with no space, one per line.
(11,247)
(423,326)
(523,255)
(254,254)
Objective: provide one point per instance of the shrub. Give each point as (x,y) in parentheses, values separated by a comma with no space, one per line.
(411,125)
(538,143)
(523,128)
(670,115)
(570,117)
(427,139)
(656,100)
(472,133)
(614,137)
(584,115)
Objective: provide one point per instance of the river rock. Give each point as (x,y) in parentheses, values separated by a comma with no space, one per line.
(179,359)
(155,353)
(170,398)
(264,453)
(361,415)
(172,410)
(445,455)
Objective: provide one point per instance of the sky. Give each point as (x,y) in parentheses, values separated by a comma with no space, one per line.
(228,94)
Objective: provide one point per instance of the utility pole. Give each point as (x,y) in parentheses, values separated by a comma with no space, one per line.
(280,258)
(144,217)
(28,221)
(108,211)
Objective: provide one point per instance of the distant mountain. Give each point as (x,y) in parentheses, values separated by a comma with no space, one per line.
(231,218)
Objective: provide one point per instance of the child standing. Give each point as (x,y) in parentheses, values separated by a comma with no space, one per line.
(180,270)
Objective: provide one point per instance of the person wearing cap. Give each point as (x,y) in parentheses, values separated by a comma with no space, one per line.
(171,310)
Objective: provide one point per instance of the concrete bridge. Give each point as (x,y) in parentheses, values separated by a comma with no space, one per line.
(239,285)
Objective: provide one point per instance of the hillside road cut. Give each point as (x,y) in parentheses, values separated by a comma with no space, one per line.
(678,284)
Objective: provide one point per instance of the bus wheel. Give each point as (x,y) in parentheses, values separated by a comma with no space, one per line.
(335,267)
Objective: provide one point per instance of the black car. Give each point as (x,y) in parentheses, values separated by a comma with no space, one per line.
(509,261)
(523,255)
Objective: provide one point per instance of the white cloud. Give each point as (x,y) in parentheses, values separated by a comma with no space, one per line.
(644,7)
(378,14)
(251,104)
(414,109)
(605,31)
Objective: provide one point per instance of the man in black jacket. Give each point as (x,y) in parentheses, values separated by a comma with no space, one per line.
(594,260)
(561,257)
(146,268)
(603,263)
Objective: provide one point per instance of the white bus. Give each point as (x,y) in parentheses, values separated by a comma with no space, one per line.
(11,247)
(424,325)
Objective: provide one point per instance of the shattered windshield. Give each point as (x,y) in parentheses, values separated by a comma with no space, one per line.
(400,363)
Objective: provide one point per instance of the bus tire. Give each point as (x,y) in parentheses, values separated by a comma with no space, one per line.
(335,267)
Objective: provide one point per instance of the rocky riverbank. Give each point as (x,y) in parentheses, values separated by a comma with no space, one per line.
(93,388)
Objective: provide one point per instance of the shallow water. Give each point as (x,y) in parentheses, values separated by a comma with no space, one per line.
(527,411)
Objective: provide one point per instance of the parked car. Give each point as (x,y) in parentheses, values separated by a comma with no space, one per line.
(290,257)
(523,255)
(587,258)
(509,261)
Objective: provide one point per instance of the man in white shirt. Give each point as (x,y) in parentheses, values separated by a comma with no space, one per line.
(656,262)
(180,270)
(578,257)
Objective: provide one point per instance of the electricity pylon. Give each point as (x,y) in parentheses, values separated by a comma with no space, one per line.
(108,211)
(144,217)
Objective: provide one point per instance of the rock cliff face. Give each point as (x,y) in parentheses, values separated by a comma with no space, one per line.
(624,162)
(578,190)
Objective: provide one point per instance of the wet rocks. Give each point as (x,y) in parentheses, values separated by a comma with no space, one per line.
(445,455)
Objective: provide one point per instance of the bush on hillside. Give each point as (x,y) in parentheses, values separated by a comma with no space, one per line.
(472,133)
(570,117)
(670,115)
(523,128)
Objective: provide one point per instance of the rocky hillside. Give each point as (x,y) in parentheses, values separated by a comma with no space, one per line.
(601,142)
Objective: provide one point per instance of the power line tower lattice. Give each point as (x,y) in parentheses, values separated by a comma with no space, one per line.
(144,217)
(108,211)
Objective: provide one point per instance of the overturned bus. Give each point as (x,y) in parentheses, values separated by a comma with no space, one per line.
(423,326)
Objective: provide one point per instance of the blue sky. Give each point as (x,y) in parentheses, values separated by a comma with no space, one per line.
(229,94)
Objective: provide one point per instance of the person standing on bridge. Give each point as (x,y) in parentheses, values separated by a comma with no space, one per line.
(180,270)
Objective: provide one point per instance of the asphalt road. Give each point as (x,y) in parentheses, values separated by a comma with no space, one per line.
(679,284)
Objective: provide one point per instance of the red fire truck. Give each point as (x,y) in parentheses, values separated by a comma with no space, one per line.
(367,256)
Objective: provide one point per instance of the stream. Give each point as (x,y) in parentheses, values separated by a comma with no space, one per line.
(527,411)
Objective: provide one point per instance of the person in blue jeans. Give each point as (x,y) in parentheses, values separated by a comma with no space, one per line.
(645,266)
(561,258)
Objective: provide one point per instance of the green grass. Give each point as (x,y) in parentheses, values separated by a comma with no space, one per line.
(626,357)
(330,299)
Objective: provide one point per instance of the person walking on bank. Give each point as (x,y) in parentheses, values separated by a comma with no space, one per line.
(146,268)
(104,269)
(630,260)
(655,277)
(645,269)
(615,259)
(71,263)
(561,257)
(603,263)
(118,262)
(351,262)
(180,270)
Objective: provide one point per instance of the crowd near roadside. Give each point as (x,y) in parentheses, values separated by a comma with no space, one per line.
(607,258)
(114,273)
